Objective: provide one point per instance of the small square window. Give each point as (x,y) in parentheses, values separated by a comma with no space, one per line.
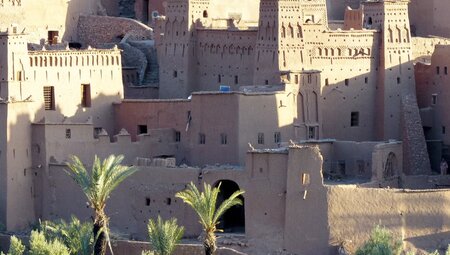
(142,129)
(49,98)
(97,131)
(341,167)
(277,137)
(223,139)
(311,132)
(354,119)
(52,37)
(260,138)
(361,167)
(68,133)
(86,95)
(201,138)
(19,75)
(434,99)
(177,136)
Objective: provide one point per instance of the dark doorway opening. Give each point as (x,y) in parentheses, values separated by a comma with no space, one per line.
(145,11)
(53,37)
(233,221)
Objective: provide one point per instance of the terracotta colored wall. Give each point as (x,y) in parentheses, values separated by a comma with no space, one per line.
(229,54)
(353,19)
(279,206)
(238,116)
(429,83)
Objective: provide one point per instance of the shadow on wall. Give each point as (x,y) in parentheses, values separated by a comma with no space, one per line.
(17,171)
(74,9)
(336,8)
(111,6)
(414,216)
(430,241)
(24,155)
(214,128)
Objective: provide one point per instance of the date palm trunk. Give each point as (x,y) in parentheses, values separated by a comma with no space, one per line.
(210,243)
(99,233)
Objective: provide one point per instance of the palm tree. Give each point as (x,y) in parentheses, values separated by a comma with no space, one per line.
(97,186)
(204,204)
(164,235)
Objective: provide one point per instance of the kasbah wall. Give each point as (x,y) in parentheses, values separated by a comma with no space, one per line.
(285,195)
(384,78)
(285,190)
(428,17)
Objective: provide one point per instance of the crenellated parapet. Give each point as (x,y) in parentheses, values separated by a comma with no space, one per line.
(7,3)
(84,140)
(230,24)
(72,58)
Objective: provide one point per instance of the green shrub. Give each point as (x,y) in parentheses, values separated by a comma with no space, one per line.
(76,236)
(40,246)
(16,247)
(381,242)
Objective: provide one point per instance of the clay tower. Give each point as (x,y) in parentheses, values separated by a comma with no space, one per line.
(280,43)
(177,46)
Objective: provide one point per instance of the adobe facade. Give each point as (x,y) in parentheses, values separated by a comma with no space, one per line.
(52,86)
(308,98)
(286,194)
(357,65)
(365,67)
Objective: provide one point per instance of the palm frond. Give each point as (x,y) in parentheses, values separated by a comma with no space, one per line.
(98,185)
(164,235)
(103,179)
(228,203)
(80,175)
(192,196)
(204,204)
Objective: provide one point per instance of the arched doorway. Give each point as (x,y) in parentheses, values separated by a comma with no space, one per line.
(233,221)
